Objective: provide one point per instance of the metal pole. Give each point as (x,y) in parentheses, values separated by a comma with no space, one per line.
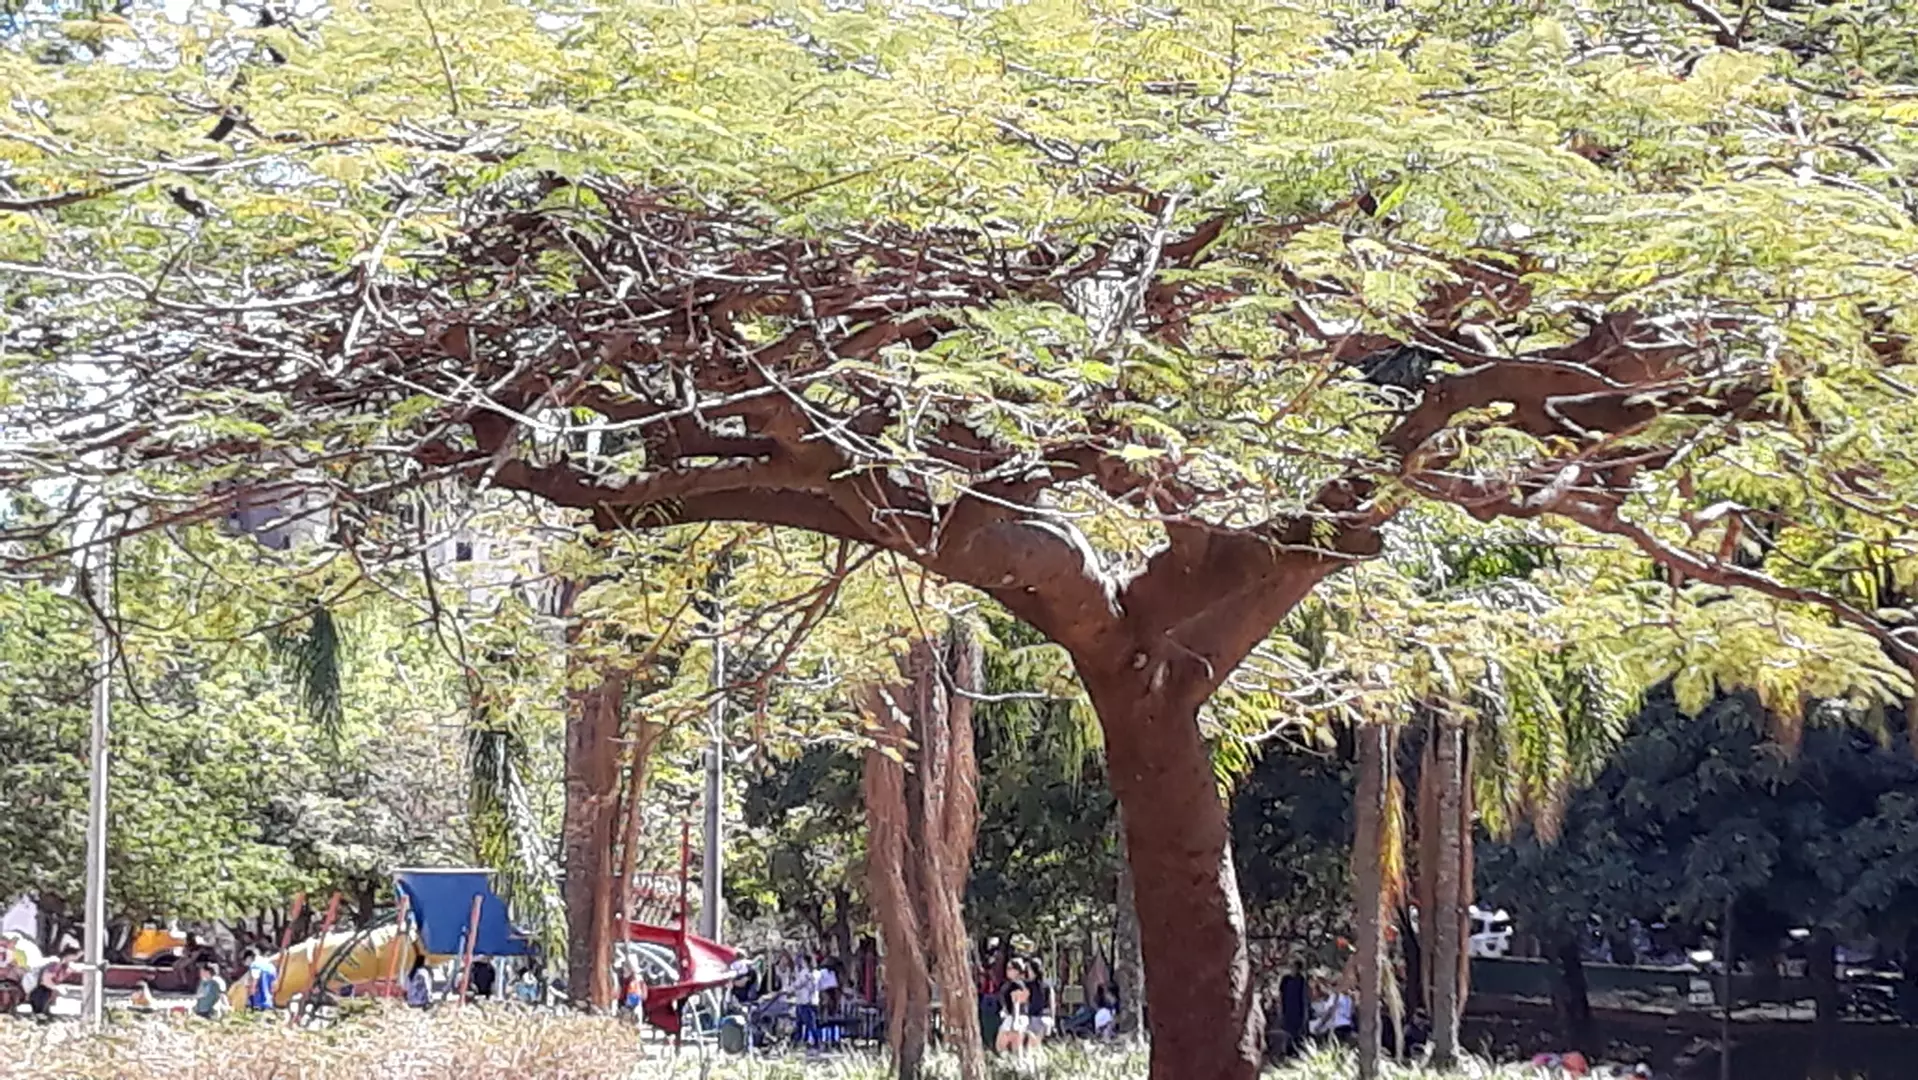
(466,953)
(94,939)
(713,863)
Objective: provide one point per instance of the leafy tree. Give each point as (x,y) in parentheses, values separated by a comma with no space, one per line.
(1696,812)
(224,799)
(1144,323)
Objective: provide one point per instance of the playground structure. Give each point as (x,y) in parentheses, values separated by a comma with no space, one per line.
(682,971)
(454,914)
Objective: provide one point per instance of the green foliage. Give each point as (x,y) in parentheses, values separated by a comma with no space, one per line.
(1292,828)
(1046,863)
(1694,810)
(223,799)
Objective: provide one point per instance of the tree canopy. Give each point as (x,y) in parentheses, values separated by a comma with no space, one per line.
(1143,322)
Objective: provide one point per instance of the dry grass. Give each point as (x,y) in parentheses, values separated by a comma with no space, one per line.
(399,1044)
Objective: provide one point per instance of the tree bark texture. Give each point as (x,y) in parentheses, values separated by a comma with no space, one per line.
(1368,888)
(1128,960)
(1199,1005)
(587,832)
(645,736)
(1449,907)
(922,804)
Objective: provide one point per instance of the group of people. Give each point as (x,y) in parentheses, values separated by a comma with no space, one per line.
(1315,1009)
(1026,1007)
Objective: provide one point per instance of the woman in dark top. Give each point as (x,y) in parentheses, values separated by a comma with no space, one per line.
(1015,1008)
(1041,1024)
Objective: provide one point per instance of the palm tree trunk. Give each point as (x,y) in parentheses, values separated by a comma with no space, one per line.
(1570,996)
(1368,888)
(923,822)
(646,735)
(1449,908)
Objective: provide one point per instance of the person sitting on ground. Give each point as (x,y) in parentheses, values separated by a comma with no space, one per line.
(1332,1014)
(1105,1012)
(209,999)
(45,979)
(419,984)
(482,978)
(627,993)
(261,981)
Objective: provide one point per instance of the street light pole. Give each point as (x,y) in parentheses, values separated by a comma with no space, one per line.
(93,946)
(713,863)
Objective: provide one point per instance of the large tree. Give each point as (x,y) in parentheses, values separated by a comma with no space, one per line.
(1142,322)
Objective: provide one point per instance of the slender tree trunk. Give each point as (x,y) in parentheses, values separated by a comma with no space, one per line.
(952,817)
(1128,961)
(587,832)
(1368,888)
(1823,970)
(1199,999)
(1449,906)
(1411,945)
(892,880)
(842,923)
(1426,885)
(646,735)
(1570,997)
(1467,867)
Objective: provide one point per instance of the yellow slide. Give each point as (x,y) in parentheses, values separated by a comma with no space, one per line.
(371,958)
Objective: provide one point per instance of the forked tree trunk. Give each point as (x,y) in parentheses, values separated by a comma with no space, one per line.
(922,806)
(587,834)
(1448,760)
(1199,1006)
(1368,888)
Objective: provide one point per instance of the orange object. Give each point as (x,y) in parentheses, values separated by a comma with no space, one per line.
(399,922)
(1575,1064)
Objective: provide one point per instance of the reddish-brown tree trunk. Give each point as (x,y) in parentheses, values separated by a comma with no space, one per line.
(587,834)
(893,880)
(1199,1006)
(645,737)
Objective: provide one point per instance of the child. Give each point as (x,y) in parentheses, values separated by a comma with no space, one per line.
(209,1001)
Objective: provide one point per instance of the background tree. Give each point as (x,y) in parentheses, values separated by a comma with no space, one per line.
(1693,806)
(921,782)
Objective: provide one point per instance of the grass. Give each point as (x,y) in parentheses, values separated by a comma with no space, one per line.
(398,1044)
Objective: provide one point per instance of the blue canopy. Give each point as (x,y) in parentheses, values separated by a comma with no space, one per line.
(442,902)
